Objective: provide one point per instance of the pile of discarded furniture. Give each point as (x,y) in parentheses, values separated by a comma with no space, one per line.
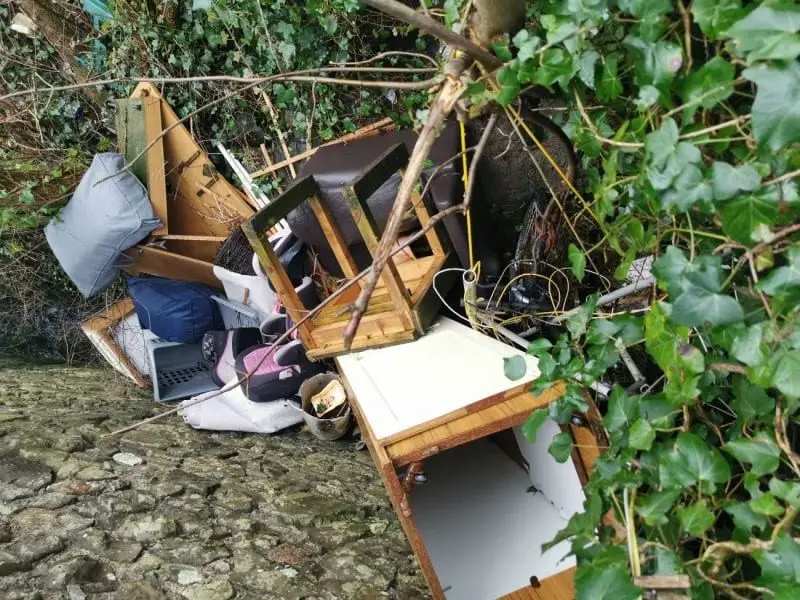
(215,276)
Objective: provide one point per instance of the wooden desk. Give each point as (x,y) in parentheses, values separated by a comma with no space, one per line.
(454,441)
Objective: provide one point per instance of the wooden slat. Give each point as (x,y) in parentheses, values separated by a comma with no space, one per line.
(375,327)
(334,236)
(464,426)
(155,261)
(138,123)
(424,216)
(195,238)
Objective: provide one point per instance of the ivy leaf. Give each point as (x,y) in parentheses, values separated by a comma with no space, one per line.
(561,447)
(587,70)
(741,218)
(527,44)
(661,340)
(656,63)
(766,505)
(578,261)
(539,346)
(577,323)
(750,401)
(783,278)
(648,95)
(747,347)
(609,86)
(697,307)
(787,374)
(532,424)
(660,144)
(745,518)
(728,180)
(776,109)
(710,84)
(788,491)
(761,453)
(768,34)
(645,10)
(622,409)
(669,270)
(781,564)
(654,507)
(502,50)
(514,367)
(603,583)
(689,188)
(556,65)
(714,17)
(641,435)
(696,519)
(692,461)
(509,87)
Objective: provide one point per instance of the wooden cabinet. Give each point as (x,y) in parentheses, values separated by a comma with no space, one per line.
(474,513)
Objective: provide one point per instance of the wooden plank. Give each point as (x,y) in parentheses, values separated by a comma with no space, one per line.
(463,426)
(191,210)
(138,124)
(337,348)
(334,236)
(376,326)
(162,263)
(280,280)
(424,217)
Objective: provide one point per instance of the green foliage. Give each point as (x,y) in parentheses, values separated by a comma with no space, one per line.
(698,167)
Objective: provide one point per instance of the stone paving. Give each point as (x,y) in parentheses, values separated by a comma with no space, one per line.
(167,512)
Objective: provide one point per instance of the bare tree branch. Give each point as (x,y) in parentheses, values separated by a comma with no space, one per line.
(434,28)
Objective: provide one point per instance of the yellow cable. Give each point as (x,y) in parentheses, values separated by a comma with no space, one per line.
(465,179)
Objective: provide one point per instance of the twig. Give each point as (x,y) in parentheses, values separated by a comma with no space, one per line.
(755,250)
(383,55)
(783,443)
(701,97)
(782,178)
(727,368)
(434,28)
(274,116)
(595,133)
(700,132)
(306,75)
(440,109)
(687,35)
(473,167)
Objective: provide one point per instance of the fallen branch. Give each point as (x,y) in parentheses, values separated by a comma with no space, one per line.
(434,28)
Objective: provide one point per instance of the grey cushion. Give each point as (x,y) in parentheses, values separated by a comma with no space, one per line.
(105,216)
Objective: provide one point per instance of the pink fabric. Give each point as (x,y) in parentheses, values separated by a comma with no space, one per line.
(252,360)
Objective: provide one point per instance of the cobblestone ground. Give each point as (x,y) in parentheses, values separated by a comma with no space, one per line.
(167,512)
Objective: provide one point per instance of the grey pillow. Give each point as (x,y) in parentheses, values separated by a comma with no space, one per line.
(105,216)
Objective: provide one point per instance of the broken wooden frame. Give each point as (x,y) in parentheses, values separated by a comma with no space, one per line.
(403,304)
(100,331)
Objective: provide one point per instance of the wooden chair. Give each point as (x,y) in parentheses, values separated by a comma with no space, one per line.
(404,303)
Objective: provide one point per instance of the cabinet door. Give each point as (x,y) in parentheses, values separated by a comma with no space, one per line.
(556,587)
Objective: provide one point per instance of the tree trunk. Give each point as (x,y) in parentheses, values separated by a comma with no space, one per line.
(494,18)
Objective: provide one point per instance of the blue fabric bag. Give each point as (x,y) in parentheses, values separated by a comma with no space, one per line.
(176,311)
